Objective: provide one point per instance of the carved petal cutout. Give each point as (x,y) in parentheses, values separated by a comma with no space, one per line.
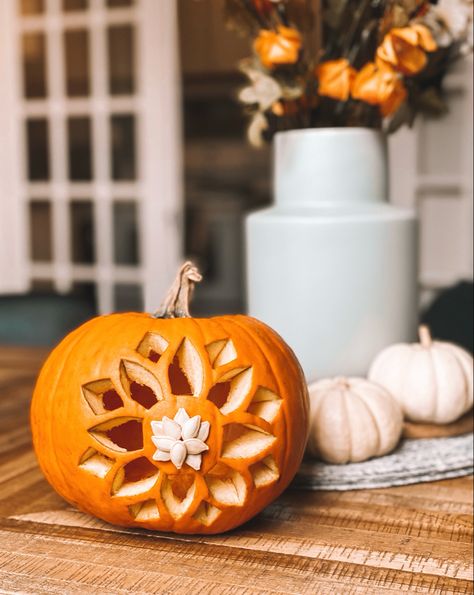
(186,373)
(178,492)
(152,346)
(226,485)
(239,389)
(264,472)
(120,434)
(101,396)
(244,441)
(265,404)
(221,352)
(145,511)
(136,477)
(231,374)
(219,393)
(96,463)
(213,350)
(227,355)
(140,384)
(206,514)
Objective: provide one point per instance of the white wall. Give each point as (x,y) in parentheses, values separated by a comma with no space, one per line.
(431,169)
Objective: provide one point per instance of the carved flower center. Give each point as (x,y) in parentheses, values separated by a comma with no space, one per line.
(181,440)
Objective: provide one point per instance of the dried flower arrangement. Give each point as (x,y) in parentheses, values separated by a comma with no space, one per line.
(373,63)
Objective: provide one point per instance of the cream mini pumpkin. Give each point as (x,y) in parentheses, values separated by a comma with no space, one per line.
(351,420)
(168,422)
(432,380)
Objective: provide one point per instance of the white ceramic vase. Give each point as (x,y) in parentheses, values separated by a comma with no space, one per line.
(332,266)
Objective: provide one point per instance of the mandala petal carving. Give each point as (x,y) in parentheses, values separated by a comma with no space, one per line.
(120,434)
(145,511)
(178,494)
(134,478)
(152,346)
(226,486)
(96,463)
(140,384)
(243,441)
(101,396)
(265,404)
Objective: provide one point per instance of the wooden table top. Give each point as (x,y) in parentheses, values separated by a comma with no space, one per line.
(415,538)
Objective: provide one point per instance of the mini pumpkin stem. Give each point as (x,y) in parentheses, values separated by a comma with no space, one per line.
(176,302)
(425,336)
(343,382)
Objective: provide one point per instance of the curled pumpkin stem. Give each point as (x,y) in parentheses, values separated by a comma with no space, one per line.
(176,302)
(425,336)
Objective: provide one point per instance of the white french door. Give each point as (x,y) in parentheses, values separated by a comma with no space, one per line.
(90,172)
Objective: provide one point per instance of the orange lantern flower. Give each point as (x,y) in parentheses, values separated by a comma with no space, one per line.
(380,86)
(281,47)
(286,108)
(335,79)
(405,49)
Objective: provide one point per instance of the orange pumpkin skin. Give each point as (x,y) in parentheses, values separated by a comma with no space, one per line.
(94,379)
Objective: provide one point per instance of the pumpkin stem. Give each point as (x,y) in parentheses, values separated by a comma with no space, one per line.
(343,382)
(425,336)
(176,302)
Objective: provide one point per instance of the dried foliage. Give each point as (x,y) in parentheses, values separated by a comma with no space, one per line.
(374,63)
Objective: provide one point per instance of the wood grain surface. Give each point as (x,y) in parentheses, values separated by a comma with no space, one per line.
(410,539)
(461,426)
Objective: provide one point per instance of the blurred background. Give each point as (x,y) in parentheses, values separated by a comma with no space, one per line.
(123,147)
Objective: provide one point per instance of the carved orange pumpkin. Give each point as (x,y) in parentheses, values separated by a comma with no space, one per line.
(168,422)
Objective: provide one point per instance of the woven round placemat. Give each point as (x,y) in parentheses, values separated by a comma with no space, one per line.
(414,461)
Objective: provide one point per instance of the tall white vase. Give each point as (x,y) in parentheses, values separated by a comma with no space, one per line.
(332,266)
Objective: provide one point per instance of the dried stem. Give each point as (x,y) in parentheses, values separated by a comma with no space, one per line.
(318,21)
(176,303)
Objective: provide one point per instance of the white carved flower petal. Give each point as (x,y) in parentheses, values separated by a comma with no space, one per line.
(178,454)
(191,427)
(163,443)
(194,446)
(160,455)
(204,431)
(171,428)
(194,461)
(181,417)
(157,428)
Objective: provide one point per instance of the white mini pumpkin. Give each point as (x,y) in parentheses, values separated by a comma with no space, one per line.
(352,420)
(432,380)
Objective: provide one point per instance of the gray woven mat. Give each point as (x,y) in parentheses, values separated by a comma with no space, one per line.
(414,461)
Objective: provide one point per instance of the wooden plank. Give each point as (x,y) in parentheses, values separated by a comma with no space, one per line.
(176,565)
(386,550)
(22,358)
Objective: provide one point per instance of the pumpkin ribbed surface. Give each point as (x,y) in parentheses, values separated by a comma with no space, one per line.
(352,420)
(432,380)
(185,425)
